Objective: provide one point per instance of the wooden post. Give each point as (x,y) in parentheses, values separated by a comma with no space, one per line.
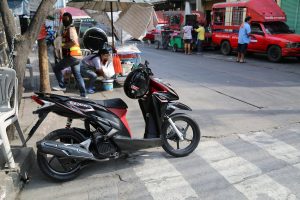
(43,65)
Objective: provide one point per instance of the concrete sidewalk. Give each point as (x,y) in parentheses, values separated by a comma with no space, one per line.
(12,180)
(9,189)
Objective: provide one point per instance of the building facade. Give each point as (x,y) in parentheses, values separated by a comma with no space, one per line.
(175,5)
(206,7)
(290,7)
(292,11)
(199,5)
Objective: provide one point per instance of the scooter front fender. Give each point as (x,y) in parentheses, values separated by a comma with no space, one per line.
(176,106)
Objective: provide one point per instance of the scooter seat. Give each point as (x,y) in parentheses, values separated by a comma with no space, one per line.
(112,103)
(108,103)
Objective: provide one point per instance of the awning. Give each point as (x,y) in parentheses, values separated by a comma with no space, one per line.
(75,12)
(19,7)
(109,5)
(137,20)
(23,7)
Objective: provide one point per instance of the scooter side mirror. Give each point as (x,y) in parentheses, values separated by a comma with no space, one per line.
(145,68)
(146,63)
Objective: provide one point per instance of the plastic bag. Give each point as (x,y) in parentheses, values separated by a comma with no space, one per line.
(108,70)
(117,64)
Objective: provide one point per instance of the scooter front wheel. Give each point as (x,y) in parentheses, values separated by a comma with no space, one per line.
(190,131)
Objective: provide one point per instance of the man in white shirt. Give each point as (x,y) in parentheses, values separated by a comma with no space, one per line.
(187,37)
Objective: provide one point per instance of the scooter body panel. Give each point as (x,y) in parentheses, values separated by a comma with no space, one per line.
(127,144)
(116,119)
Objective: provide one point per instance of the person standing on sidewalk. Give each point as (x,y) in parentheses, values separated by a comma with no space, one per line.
(187,37)
(71,56)
(200,38)
(244,40)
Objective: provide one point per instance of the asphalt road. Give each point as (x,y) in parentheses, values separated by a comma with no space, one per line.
(229,97)
(250,148)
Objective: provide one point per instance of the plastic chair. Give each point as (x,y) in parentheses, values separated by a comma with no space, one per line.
(8,114)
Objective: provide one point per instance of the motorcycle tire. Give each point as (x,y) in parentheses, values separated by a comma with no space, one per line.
(67,136)
(172,136)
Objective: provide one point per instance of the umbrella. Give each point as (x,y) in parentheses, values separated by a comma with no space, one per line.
(109,6)
(75,12)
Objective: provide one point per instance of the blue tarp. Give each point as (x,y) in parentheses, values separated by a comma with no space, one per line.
(19,7)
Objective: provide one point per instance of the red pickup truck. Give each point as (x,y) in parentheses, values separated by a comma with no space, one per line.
(269,33)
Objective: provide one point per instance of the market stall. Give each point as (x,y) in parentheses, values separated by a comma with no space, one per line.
(130,57)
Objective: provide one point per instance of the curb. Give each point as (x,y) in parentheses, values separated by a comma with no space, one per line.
(13,180)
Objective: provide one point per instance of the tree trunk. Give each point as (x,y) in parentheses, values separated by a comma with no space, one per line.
(3,46)
(8,22)
(43,65)
(23,43)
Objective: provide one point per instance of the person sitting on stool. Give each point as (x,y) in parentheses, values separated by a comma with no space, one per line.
(99,64)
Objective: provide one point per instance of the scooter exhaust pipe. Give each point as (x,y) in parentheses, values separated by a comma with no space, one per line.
(64,150)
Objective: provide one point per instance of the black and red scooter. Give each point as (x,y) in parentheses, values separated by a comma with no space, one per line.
(63,152)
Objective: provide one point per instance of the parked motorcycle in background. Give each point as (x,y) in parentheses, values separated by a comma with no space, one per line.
(63,152)
(50,36)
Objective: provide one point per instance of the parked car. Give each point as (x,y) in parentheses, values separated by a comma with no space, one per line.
(150,36)
(270,34)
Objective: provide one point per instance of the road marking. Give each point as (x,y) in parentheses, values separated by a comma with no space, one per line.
(163,181)
(274,147)
(242,174)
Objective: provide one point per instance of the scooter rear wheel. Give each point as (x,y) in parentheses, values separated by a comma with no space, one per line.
(59,168)
(191,134)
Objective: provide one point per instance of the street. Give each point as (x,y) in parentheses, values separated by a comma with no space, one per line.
(250,146)
(229,97)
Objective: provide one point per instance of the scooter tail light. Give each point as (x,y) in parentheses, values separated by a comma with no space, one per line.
(37,100)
